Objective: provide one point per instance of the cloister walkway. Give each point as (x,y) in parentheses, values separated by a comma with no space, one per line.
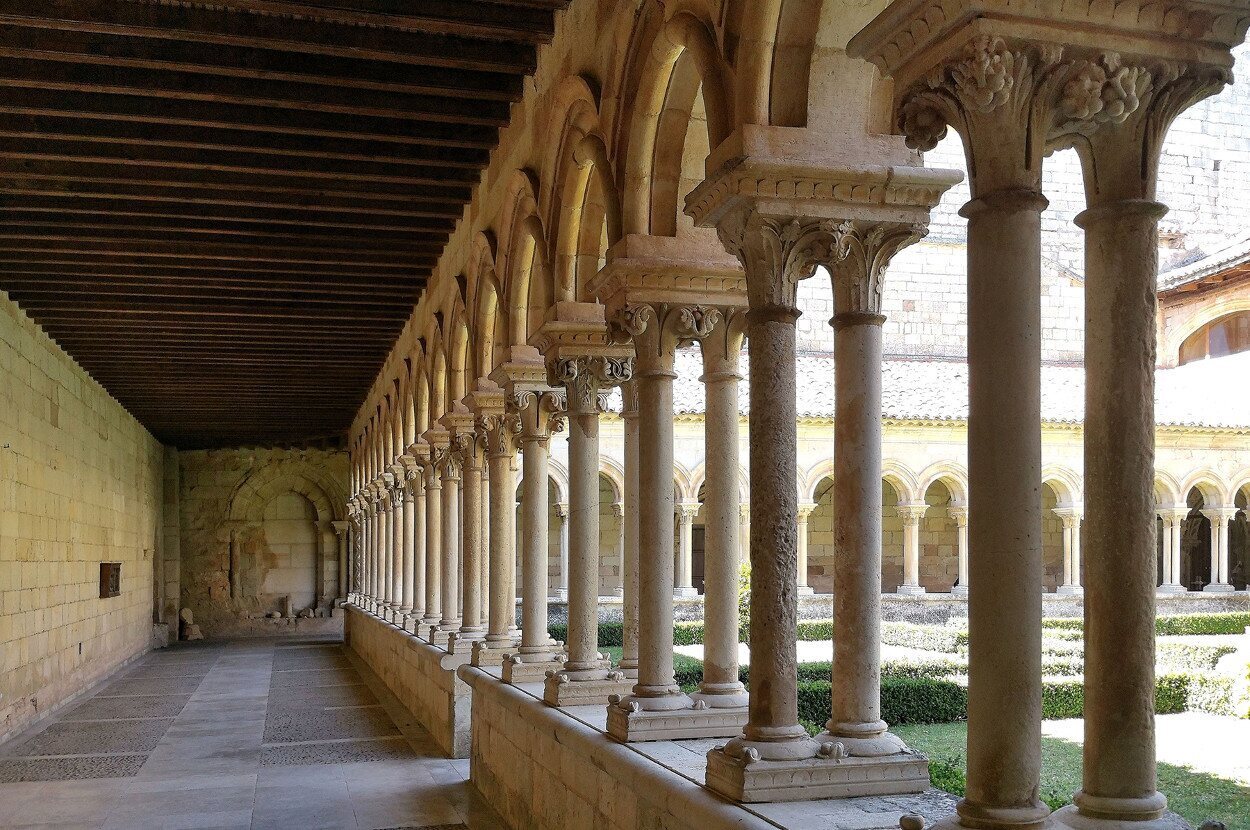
(236,735)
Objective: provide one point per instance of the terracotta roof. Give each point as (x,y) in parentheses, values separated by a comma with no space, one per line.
(1234,254)
(1197,395)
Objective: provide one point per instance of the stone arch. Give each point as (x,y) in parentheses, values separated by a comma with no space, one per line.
(614,472)
(489,315)
(682,483)
(939,532)
(1168,491)
(902,479)
(819,471)
(698,479)
(559,475)
(1065,483)
(1174,338)
(1209,484)
(523,259)
(951,475)
(676,61)
(436,375)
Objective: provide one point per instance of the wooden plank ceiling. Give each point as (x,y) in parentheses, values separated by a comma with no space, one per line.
(225,211)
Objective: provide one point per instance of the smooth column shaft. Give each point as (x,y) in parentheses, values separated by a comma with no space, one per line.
(408,545)
(433,549)
(1005,545)
(450,550)
(535,641)
(583,531)
(471,622)
(502,549)
(629,559)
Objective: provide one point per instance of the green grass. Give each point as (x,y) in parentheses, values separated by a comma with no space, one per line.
(1197,796)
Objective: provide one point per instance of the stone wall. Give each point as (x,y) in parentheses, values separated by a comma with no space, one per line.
(542,770)
(414,671)
(256,528)
(80,484)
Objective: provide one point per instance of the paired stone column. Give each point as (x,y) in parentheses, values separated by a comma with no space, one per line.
(340,533)
(656,708)
(399,494)
(684,515)
(540,414)
(1173,523)
(959,513)
(1219,517)
(629,531)
(561,592)
(618,513)
(1025,83)
(587,676)
(471,448)
(449,467)
(1071,518)
(501,431)
(805,512)
(389,520)
(912,515)
(721,689)
(433,544)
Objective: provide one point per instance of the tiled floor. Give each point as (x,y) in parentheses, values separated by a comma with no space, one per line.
(236,735)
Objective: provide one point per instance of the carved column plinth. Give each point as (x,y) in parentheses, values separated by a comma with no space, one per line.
(629,722)
(830,774)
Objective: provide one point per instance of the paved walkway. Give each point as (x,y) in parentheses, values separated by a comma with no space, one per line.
(238,735)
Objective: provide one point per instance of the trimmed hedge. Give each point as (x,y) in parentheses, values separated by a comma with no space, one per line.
(903,700)
(1190,658)
(1214,694)
(927,637)
(1231,622)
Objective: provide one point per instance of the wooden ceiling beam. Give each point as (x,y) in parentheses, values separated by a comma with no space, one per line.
(29,100)
(70,127)
(213,215)
(239,255)
(37,291)
(306,35)
(221,310)
(51,222)
(10,280)
(421,247)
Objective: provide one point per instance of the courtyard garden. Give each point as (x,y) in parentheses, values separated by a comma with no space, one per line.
(1203,701)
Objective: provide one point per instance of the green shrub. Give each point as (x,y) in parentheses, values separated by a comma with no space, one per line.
(942,638)
(1211,693)
(903,700)
(688,672)
(1185,657)
(1064,624)
(1056,647)
(1227,623)
(687,633)
(947,774)
(815,630)
(1063,699)
(923,669)
(1171,693)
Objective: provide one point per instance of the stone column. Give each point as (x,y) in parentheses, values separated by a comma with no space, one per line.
(433,548)
(629,557)
(540,414)
(805,512)
(340,531)
(484,530)
(398,496)
(408,548)
(1071,518)
(416,528)
(912,515)
(561,592)
(1220,517)
(685,514)
(471,449)
(386,533)
(618,513)
(501,431)
(450,569)
(744,532)
(587,676)
(721,688)
(1173,522)
(960,514)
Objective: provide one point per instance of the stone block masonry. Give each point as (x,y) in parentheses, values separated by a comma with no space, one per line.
(80,484)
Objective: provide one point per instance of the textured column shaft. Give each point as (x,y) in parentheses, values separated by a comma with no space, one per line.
(397,549)
(484,524)
(1067,554)
(629,559)
(450,620)
(773,722)
(856,699)
(962,530)
(502,549)
(583,553)
(721,545)
(472,624)
(433,549)
(655,533)
(535,641)
(344,548)
(1177,526)
(417,529)
(1004,468)
(408,545)
(562,575)
(1165,576)
(685,553)
(801,567)
(911,550)
(367,557)
(388,554)
(618,512)
(1121,266)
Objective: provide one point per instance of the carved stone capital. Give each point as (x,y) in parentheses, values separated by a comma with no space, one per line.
(540,412)
(958,513)
(1070,516)
(659,329)
(587,378)
(911,513)
(687,510)
(502,432)
(862,252)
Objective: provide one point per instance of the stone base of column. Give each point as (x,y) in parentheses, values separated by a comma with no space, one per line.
(629,722)
(749,780)
(462,642)
(806,591)
(492,652)
(1171,589)
(1071,817)
(911,590)
(440,635)
(518,668)
(562,689)
(1218,588)
(1070,590)
(629,668)
(959,591)
(426,629)
(685,593)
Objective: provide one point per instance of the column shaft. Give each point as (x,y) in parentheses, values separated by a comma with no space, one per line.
(535,641)
(417,529)
(685,552)
(629,558)
(450,620)
(433,548)
(407,533)
(583,550)
(502,549)
(398,496)
(471,622)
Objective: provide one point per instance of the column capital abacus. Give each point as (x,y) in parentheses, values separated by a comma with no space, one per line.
(658,330)
(805,510)
(911,513)
(958,513)
(340,527)
(618,510)
(562,509)
(687,510)
(1220,514)
(1070,516)
(1173,515)
(581,356)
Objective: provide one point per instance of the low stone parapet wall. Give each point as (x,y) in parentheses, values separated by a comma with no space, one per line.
(541,769)
(421,675)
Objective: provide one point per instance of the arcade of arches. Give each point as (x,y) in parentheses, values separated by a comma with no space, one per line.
(603,403)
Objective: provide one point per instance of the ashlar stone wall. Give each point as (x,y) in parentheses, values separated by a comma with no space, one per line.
(256,527)
(80,484)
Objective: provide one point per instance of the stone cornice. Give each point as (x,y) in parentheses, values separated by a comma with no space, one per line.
(902,39)
(647,269)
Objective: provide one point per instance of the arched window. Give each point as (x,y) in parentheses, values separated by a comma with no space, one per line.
(1227,335)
